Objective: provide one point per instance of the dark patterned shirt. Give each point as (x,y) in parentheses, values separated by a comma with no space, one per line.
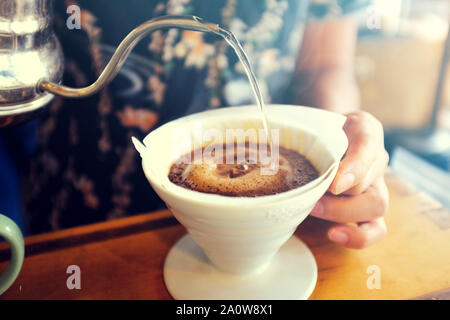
(86,169)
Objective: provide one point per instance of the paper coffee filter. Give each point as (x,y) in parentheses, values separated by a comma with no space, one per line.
(315,133)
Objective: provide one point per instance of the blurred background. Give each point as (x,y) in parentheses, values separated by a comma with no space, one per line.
(403,75)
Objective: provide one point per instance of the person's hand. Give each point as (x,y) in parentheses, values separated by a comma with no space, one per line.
(358,198)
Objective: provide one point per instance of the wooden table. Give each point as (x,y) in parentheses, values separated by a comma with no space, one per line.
(123,259)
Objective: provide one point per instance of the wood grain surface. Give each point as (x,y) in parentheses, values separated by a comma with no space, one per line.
(123,259)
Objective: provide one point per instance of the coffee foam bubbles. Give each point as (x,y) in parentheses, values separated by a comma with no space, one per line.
(244,178)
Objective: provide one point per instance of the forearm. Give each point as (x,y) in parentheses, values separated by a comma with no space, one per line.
(324,75)
(331,89)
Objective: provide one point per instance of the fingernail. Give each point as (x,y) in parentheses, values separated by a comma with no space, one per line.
(345,182)
(318,209)
(339,237)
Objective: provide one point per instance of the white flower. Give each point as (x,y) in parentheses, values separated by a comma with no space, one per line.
(268,62)
(238,92)
(296,37)
(180,50)
(222,61)
(238,27)
(198,58)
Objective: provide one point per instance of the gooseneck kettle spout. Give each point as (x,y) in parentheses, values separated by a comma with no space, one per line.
(123,50)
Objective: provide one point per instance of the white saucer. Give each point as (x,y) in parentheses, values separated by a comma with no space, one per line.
(291,275)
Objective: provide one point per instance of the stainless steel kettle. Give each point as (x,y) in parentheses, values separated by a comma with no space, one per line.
(29,52)
(32,63)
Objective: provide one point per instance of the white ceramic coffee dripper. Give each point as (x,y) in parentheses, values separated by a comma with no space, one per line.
(242,236)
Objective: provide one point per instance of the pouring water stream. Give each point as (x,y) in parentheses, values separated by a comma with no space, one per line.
(231,39)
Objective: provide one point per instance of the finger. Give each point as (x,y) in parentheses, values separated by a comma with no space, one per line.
(358,237)
(367,206)
(376,170)
(365,140)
